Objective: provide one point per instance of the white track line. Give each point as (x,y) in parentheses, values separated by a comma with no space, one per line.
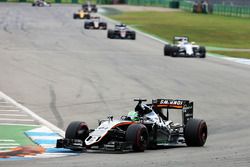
(7,147)
(9,110)
(32,114)
(3,102)
(22,120)
(14,115)
(9,144)
(12,124)
(7,140)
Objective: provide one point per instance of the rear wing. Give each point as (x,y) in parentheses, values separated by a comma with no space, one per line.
(185,105)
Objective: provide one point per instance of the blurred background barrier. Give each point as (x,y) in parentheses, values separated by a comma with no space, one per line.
(228,10)
(236,8)
(157,3)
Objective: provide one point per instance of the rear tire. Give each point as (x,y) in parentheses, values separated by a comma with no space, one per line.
(195,132)
(137,135)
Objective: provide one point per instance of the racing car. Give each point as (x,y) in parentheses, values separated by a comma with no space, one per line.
(182,47)
(41,3)
(89,7)
(95,23)
(121,32)
(149,128)
(81,14)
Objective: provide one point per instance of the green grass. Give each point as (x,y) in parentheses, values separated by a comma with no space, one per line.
(16,133)
(236,54)
(208,30)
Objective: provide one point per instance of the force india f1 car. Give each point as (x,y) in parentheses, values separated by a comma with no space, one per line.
(121,32)
(81,14)
(148,129)
(182,47)
(95,23)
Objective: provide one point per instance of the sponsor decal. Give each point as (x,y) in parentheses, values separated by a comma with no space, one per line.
(171,102)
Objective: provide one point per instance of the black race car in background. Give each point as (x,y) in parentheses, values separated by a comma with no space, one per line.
(121,32)
(41,3)
(95,23)
(149,126)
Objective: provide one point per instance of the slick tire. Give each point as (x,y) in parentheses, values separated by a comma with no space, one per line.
(202,52)
(104,26)
(110,34)
(133,36)
(167,50)
(137,136)
(86,26)
(195,133)
(174,51)
(77,130)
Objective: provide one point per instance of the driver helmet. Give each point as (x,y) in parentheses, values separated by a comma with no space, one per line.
(133,115)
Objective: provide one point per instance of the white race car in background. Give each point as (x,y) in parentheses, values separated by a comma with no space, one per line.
(95,23)
(182,47)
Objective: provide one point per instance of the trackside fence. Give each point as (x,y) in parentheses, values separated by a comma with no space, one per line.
(219,9)
(226,10)
(186,5)
(160,3)
(52,1)
(157,3)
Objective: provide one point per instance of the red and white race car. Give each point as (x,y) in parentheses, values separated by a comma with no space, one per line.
(121,32)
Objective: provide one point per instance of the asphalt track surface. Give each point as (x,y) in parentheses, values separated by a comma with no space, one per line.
(64,73)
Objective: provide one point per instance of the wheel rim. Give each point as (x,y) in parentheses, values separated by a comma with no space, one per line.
(143,139)
(203,135)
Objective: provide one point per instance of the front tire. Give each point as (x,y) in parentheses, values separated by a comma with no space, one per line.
(75,16)
(174,51)
(110,34)
(77,130)
(86,26)
(133,36)
(202,52)
(167,50)
(137,135)
(195,132)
